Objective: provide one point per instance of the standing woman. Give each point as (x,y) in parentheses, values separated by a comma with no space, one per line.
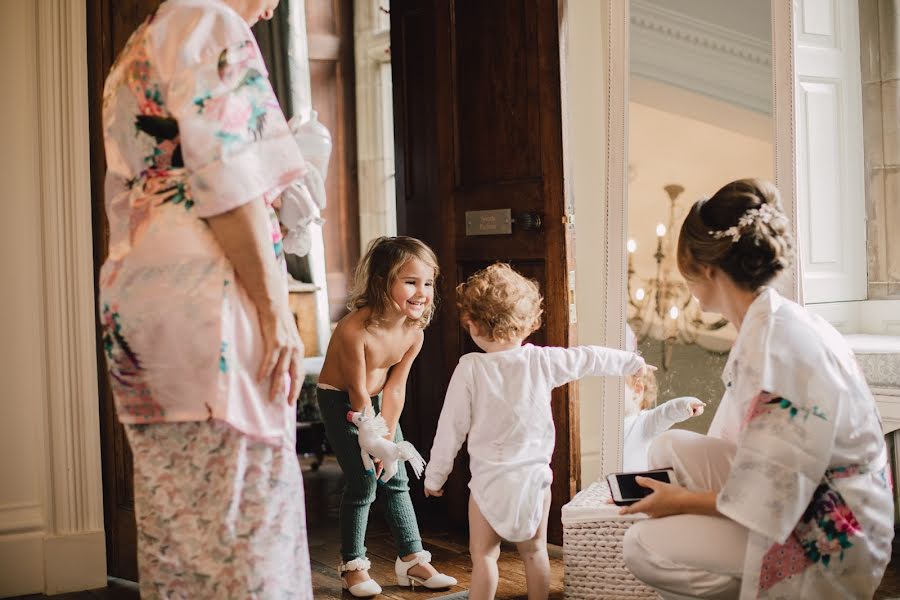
(203,354)
(788,496)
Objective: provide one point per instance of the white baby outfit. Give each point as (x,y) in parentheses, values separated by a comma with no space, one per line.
(501,401)
(642,428)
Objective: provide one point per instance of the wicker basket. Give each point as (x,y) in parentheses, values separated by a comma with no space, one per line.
(592,549)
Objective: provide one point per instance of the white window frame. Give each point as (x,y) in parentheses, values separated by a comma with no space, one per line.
(833,265)
(374,121)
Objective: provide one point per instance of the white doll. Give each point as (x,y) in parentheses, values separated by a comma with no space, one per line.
(373,443)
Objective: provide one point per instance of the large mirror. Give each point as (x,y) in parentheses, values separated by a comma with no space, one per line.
(700,114)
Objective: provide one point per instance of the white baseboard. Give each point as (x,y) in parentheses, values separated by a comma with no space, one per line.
(33,563)
(74,562)
(21,564)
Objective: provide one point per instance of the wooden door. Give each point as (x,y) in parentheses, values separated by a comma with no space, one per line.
(109,24)
(478,126)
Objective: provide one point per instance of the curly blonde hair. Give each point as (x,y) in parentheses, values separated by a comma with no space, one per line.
(378,269)
(500,303)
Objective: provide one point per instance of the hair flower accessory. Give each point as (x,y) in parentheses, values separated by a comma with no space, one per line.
(764,214)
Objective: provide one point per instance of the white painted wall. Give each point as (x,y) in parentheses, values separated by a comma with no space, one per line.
(23,469)
(51,519)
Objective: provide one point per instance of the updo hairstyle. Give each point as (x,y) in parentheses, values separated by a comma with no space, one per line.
(742,230)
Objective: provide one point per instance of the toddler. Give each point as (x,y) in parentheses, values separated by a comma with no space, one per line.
(500,401)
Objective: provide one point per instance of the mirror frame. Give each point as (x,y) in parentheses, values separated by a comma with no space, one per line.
(616,82)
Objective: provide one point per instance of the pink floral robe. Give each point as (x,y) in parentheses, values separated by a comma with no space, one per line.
(193,129)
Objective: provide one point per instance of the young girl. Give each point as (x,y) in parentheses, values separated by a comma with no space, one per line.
(370,353)
(501,401)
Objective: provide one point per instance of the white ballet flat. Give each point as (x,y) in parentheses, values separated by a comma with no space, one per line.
(435,582)
(364,589)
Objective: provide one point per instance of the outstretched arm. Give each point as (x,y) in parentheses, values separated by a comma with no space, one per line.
(656,420)
(568,364)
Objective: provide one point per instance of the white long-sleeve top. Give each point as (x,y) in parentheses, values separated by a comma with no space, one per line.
(501,402)
(640,429)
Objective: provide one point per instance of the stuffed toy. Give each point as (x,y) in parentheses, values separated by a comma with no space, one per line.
(372,442)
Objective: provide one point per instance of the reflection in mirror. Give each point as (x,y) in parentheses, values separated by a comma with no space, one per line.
(700,115)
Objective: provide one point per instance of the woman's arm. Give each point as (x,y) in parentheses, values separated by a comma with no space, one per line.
(668,499)
(245,235)
(394,395)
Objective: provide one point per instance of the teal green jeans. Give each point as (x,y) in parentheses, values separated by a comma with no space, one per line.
(360,487)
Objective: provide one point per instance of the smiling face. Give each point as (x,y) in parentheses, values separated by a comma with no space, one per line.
(413,289)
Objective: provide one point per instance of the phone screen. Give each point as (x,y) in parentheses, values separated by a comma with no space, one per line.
(631,490)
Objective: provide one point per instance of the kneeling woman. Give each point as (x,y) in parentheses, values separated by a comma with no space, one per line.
(788,496)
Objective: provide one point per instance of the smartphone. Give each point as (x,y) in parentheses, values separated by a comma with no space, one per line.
(625,490)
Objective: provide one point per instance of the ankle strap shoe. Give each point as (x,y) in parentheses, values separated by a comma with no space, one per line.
(435,582)
(363,589)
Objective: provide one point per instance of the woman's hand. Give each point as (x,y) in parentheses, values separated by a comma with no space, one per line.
(245,234)
(433,493)
(666,499)
(282,353)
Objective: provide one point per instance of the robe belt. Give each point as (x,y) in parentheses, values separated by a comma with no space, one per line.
(841,472)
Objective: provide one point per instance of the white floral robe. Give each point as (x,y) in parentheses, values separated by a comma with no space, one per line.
(810,478)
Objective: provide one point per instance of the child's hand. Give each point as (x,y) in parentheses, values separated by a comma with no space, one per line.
(688,406)
(696,407)
(433,493)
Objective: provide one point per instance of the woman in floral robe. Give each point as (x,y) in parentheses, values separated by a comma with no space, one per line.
(789,495)
(203,354)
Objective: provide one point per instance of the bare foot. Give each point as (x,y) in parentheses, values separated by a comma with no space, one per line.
(423,571)
(354,577)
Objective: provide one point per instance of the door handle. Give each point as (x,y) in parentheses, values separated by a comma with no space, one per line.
(530,221)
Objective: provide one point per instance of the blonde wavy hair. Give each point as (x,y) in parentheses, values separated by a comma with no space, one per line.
(377,271)
(500,303)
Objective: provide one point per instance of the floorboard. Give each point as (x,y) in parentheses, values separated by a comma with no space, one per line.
(449,550)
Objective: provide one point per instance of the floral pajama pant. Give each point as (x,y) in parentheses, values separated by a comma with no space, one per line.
(219,515)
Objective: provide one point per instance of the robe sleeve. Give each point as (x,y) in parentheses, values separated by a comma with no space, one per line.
(235,142)
(791,392)
(453,427)
(563,365)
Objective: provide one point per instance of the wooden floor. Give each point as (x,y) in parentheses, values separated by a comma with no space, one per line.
(450,553)
(449,550)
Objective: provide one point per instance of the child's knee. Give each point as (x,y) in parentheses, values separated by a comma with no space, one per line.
(486,555)
(359,489)
(531,548)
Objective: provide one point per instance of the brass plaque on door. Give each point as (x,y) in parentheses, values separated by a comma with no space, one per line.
(489,222)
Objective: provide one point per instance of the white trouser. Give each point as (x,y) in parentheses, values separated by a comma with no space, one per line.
(689,556)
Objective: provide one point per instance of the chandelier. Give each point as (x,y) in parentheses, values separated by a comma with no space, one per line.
(662,307)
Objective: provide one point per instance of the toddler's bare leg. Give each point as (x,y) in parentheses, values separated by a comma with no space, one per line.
(534,555)
(484,546)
